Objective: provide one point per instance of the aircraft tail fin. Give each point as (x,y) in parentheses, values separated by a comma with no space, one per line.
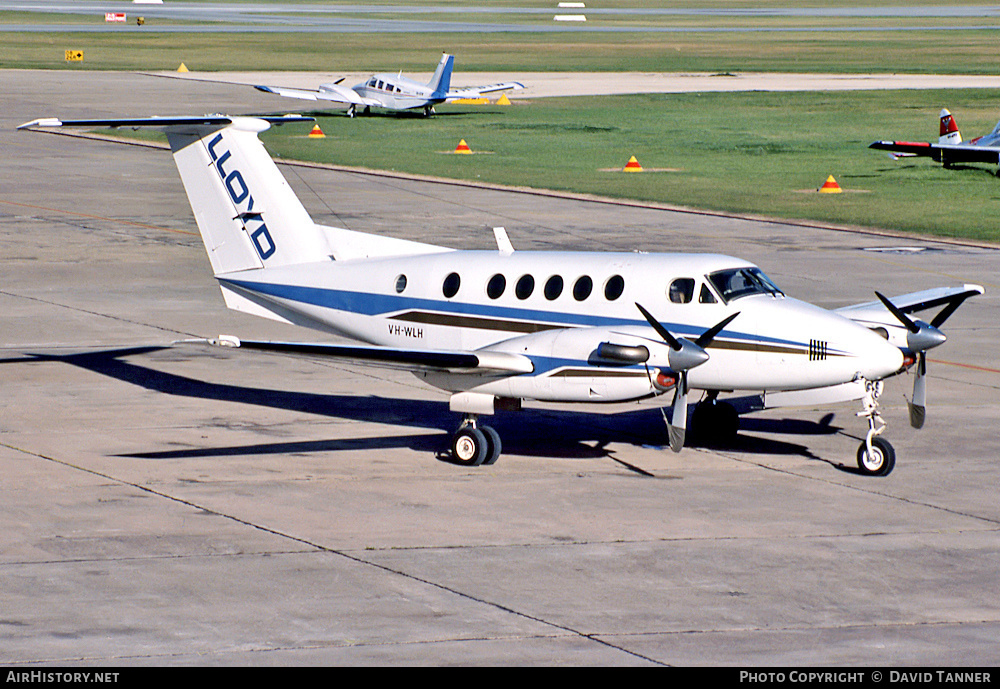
(949,133)
(441,81)
(248,215)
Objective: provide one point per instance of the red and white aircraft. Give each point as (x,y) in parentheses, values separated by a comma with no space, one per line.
(950,148)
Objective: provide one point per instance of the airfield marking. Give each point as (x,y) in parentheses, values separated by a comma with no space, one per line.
(973,367)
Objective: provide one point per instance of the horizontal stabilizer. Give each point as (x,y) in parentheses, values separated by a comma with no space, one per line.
(475,91)
(186,121)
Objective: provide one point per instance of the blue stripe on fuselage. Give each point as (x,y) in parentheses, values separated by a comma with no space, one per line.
(371,304)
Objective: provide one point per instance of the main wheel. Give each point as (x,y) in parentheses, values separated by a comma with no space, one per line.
(878,462)
(468,447)
(493,444)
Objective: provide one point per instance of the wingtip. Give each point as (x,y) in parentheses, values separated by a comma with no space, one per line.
(42,122)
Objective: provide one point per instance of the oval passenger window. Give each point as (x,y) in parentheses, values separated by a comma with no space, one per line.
(451,285)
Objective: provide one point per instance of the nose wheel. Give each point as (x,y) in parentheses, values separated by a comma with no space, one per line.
(475,444)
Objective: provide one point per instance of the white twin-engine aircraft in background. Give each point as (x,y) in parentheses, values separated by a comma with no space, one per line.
(394,91)
(493,328)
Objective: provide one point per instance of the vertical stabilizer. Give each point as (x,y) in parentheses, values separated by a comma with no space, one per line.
(949,133)
(441,81)
(248,215)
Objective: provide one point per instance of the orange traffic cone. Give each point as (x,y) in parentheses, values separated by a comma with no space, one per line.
(463,147)
(632,165)
(316,133)
(830,186)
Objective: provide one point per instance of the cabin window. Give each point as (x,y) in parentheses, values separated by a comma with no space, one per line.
(524,287)
(451,285)
(400,283)
(496,286)
(583,287)
(553,287)
(681,290)
(614,287)
(380,85)
(706,296)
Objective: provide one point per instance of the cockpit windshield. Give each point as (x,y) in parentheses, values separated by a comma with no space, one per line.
(740,282)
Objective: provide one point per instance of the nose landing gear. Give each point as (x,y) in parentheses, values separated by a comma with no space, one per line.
(876,457)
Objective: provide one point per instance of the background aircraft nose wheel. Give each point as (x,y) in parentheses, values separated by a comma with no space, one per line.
(879,461)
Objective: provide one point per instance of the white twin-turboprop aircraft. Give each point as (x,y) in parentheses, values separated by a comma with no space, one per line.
(394,91)
(493,328)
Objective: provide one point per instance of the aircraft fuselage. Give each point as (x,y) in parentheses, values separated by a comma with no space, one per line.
(558,308)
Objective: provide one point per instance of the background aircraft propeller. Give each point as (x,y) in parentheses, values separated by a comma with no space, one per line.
(920,337)
(684,355)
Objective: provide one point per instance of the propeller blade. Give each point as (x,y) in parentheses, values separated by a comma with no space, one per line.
(660,330)
(900,316)
(939,319)
(706,337)
(677,428)
(918,405)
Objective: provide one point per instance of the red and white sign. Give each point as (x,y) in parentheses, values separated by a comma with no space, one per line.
(114,16)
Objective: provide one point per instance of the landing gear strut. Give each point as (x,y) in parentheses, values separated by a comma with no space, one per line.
(876,457)
(474,444)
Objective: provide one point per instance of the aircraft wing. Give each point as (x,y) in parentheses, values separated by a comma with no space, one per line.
(476,91)
(874,312)
(948,153)
(328,92)
(481,361)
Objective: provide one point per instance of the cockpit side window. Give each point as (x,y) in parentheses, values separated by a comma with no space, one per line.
(681,290)
(706,296)
(740,282)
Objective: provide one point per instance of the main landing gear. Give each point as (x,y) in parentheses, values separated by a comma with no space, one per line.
(714,423)
(474,444)
(875,455)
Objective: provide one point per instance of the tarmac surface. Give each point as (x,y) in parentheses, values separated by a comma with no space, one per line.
(567,84)
(170,505)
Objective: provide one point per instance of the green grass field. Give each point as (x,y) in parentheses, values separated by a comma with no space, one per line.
(760,153)
(966,52)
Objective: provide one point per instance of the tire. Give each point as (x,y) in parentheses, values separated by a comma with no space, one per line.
(493,445)
(882,460)
(468,447)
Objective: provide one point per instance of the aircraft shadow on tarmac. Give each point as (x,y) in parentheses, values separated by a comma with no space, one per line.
(549,433)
